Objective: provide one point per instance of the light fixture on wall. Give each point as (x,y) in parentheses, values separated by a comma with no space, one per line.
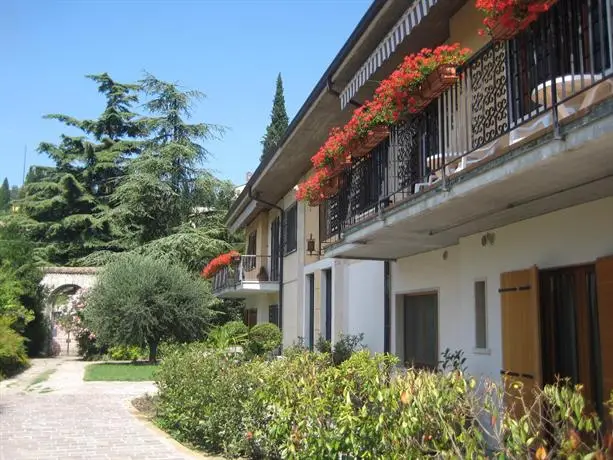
(488,238)
(310,244)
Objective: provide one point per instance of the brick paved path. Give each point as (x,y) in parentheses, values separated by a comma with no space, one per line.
(65,417)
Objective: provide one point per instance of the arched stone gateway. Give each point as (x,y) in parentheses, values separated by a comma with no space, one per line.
(60,283)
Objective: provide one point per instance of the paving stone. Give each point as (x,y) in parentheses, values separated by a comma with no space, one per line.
(78,420)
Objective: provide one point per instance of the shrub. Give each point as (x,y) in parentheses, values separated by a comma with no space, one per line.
(202,396)
(233,333)
(345,346)
(13,356)
(453,361)
(323,346)
(125,353)
(304,406)
(264,338)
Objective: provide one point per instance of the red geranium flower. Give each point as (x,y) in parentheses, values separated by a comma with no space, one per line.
(218,263)
(393,99)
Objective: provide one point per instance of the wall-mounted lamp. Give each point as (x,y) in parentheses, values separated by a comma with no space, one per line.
(488,238)
(310,244)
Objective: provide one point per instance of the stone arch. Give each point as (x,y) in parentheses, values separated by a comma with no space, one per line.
(59,283)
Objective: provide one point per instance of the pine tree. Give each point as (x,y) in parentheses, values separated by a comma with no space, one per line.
(66,204)
(5,195)
(278,122)
(165,204)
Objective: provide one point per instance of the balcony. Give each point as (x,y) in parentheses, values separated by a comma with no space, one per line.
(493,149)
(250,275)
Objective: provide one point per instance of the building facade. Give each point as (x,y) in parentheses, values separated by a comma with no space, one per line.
(483,223)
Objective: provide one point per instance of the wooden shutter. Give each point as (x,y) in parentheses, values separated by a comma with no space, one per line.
(521,338)
(604,287)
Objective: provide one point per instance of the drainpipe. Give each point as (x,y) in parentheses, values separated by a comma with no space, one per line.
(281,245)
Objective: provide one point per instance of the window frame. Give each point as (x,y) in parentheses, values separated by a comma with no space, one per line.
(404,332)
(287,250)
(478,349)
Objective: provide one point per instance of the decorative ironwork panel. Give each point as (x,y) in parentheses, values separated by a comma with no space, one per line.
(367,181)
(406,148)
(412,141)
(489,95)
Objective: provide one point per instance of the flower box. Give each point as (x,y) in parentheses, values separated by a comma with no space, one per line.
(441,78)
(505,20)
(332,186)
(416,101)
(373,138)
(500,30)
(218,263)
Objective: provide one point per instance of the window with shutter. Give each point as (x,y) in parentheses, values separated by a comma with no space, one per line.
(521,338)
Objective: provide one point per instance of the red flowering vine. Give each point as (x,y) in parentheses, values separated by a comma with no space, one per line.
(510,15)
(396,97)
(218,263)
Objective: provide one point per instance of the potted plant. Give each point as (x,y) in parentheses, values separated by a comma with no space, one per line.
(506,18)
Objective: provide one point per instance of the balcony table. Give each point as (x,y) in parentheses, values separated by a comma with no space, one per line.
(566,87)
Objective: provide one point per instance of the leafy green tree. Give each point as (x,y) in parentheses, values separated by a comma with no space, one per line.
(15,190)
(5,195)
(141,301)
(20,269)
(278,122)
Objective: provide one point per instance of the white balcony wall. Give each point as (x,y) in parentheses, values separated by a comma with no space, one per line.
(570,236)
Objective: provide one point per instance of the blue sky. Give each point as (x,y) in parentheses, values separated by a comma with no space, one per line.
(231,50)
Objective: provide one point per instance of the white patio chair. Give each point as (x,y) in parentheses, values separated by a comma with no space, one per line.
(596,94)
(521,132)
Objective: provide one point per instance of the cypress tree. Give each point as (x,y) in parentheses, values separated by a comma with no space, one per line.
(5,195)
(278,122)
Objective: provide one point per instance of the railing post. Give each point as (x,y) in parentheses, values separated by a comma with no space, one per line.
(553,61)
(443,118)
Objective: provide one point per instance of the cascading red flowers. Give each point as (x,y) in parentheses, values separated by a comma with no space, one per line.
(396,97)
(218,263)
(506,18)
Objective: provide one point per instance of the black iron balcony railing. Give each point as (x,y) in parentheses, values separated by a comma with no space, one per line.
(507,92)
(246,269)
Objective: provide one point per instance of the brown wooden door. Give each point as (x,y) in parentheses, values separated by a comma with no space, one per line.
(250,317)
(604,288)
(521,343)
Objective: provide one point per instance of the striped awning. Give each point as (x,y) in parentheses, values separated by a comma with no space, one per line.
(409,20)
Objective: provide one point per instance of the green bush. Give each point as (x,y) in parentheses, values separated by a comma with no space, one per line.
(345,346)
(304,406)
(322,345)
(202,396)
(264,338)
(125,353)
(13,356)
(233,333)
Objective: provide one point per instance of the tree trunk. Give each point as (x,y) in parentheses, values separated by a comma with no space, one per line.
(153,352)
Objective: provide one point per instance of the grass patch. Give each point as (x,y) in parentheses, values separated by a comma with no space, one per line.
(119,372)
(42,377)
